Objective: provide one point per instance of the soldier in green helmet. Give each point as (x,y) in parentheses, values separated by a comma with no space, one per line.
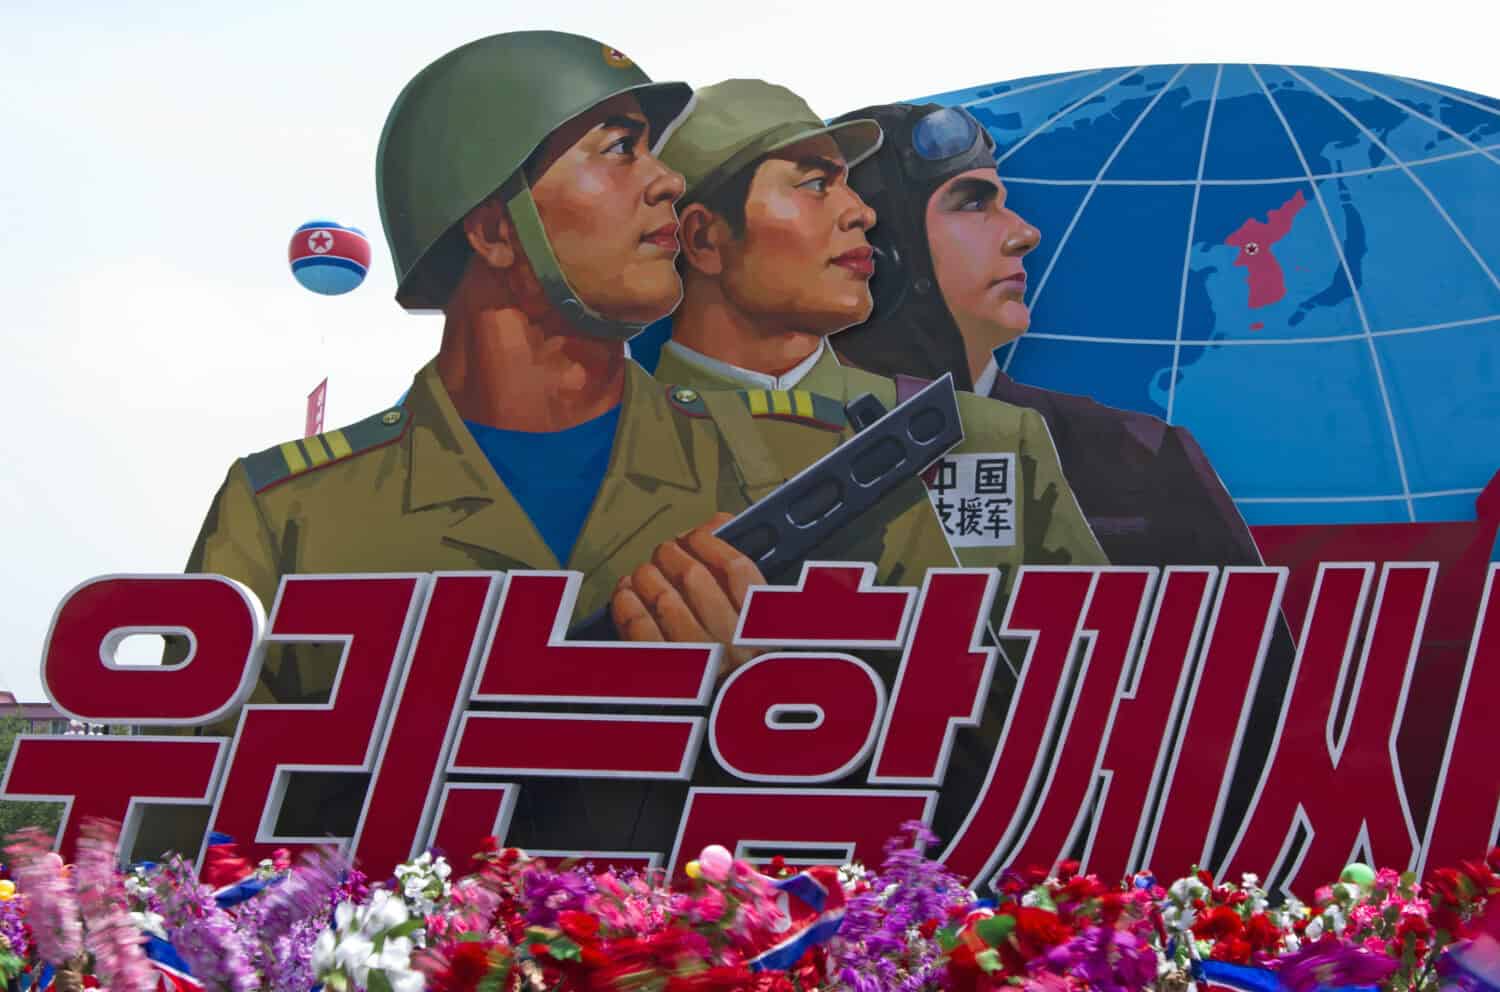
(775,260)
(519,197)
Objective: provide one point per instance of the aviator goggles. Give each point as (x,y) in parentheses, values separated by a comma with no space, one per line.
(941,139)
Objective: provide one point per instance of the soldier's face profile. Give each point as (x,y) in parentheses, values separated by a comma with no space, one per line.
(977,244)
(608,206)
(803,261)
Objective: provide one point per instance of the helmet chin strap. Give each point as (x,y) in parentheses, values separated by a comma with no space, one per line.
(533,239)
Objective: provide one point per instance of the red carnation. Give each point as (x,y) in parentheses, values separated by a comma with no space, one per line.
(1262,933)
(1448,884)
(1111,908)
(1037,930)
(1221,923)
(465,968)
(1234,950)
(1480,876)
(1080,888)
(582,927)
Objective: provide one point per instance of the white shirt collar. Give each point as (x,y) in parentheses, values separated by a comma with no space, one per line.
(986,380)
(748,377)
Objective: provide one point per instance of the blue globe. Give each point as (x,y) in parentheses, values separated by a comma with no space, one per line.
(1301,265)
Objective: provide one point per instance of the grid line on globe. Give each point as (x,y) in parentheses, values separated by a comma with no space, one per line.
(1331,334)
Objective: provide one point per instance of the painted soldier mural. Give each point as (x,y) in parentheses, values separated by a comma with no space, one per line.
(950,288)
(827,569)
(544,229)
(777,259)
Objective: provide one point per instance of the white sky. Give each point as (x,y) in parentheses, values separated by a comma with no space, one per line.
(154,161)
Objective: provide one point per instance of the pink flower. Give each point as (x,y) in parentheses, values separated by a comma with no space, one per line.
(1388,879)
(710,906)
(112,937)
(52,907)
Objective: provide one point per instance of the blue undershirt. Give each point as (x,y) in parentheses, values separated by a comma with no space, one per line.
(554,475)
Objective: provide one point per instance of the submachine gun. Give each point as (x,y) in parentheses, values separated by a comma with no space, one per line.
(783,529)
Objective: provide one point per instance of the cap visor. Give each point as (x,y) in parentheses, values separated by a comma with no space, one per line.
(857,140)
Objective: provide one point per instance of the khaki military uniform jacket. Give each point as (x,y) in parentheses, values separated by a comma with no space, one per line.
(411,490)
(1049,526)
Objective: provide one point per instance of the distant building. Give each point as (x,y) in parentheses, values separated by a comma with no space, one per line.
(43,718)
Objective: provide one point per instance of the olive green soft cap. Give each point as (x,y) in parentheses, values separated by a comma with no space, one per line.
(731,124)
(464,125)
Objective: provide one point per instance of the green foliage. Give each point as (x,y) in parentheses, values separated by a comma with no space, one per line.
(15,815)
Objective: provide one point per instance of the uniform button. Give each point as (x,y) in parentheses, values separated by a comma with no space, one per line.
(391,417)
(685,395)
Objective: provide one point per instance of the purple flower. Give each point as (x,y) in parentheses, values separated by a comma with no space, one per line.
(13,924)
(548,893)
(283,959)
(874,950)
(204,934)
(1106,959)
(304,894)
(1330,962)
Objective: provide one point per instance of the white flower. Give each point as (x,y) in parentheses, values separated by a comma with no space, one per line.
(343,916)
(353,955)
(406,981)
(322,955)
(1250,880)
(1292,909)
(1179,917)
(151,923)
(137,885)
(383,912)
(1187,889)
(851,874)
(394,956)
(1315,928)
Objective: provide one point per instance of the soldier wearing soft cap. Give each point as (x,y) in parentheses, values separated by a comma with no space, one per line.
(776,258)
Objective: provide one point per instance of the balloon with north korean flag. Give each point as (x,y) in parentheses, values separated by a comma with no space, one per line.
(329,258)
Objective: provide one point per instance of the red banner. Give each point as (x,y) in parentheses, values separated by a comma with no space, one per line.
(315,403)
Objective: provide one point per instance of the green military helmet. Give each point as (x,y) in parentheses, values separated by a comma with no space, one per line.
(462,129)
